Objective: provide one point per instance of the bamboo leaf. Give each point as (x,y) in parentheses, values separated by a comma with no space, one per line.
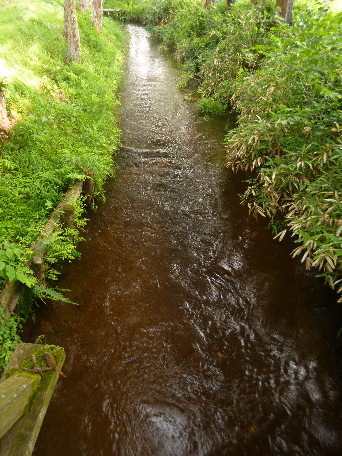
(280,235)
(305,255)
(330,261)
(296,251)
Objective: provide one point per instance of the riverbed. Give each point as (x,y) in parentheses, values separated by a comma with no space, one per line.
(196,333)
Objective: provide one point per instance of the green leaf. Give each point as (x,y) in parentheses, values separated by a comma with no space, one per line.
(26,279)
(10,272)
(10,254)
(2,265)
(17,252)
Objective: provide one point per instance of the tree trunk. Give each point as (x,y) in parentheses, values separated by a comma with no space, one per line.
(71,32)
(65,29)
(229,4)
(96,14)
(4,122)
(286,9)
(84,5)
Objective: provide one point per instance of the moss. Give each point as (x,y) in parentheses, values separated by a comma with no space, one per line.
(44,379)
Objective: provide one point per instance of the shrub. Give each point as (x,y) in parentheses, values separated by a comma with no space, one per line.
(289,131)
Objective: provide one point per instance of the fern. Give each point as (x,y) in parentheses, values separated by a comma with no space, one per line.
(44,293)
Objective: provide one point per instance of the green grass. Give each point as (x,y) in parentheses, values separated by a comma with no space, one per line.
(63,113)
(64,119)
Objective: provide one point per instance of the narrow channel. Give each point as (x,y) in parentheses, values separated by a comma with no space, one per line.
(196,333)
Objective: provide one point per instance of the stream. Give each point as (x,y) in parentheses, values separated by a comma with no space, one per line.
(196,333)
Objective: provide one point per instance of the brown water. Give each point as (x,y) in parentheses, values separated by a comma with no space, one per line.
(196,333)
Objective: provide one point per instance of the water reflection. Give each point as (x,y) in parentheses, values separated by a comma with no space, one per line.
(196,333)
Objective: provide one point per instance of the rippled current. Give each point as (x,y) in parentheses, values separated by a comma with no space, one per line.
(196,333)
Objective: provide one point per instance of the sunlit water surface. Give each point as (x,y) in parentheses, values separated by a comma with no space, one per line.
(196,333)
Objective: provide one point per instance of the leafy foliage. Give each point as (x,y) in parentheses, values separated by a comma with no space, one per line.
(65,118)
(289,131)
(240,38)
(212,46)
(130,10)
(44,293)
(9,338)
(64,112)
(13,266)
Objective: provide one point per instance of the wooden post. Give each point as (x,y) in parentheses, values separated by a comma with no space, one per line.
(15,393)
(67,216)
(88,185)
(20,439)
(39,268)
(112,10)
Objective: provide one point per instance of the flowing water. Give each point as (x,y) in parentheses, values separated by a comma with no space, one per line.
(196,333)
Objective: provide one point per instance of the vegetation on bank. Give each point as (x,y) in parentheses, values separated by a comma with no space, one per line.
(285,83)
(290,133)
(63,118)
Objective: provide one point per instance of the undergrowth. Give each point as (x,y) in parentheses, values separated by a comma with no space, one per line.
(212,46)
(63,118)
(290,133)
(10,327)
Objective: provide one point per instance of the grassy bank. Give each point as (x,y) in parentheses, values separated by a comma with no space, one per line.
(63,123)
(285,83)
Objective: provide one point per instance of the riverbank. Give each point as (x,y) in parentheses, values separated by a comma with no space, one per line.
(195,333)
(285,84)
(63,123)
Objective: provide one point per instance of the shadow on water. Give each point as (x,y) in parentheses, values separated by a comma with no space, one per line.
(196,333)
